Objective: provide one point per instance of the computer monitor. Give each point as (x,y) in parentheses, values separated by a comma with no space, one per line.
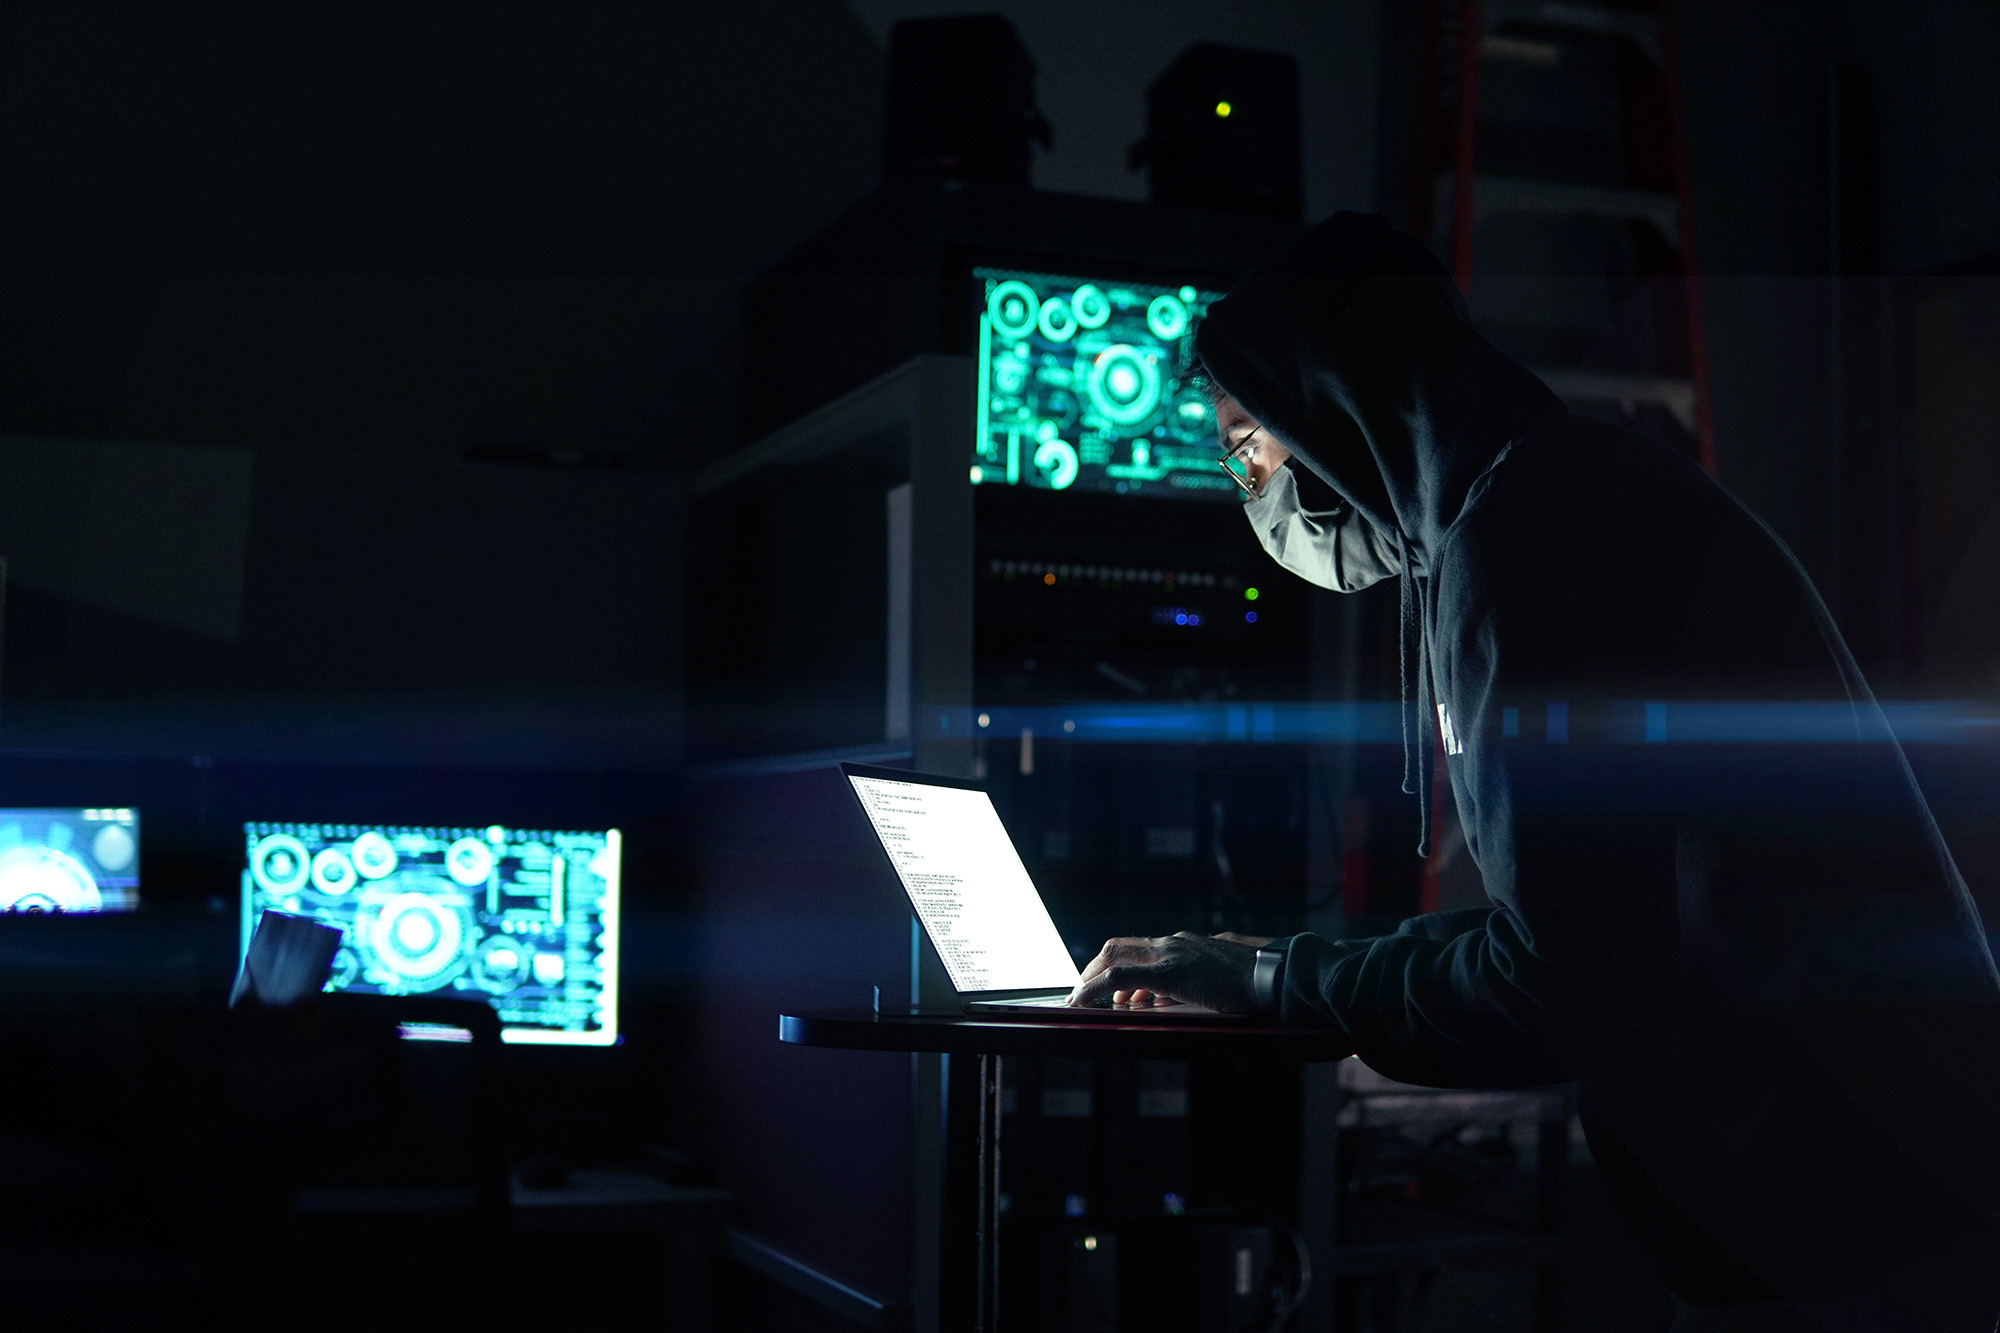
(527,918)
(69,860)
(1082,387)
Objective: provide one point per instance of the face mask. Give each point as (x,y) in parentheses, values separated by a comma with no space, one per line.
(1335,548)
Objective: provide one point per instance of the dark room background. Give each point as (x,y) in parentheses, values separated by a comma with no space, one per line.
(356,362)
(337,338)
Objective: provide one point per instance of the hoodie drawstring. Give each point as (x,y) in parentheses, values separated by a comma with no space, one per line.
(1416,759)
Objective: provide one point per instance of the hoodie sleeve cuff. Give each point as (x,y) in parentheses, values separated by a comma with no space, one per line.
(1266,976)
(1307,956)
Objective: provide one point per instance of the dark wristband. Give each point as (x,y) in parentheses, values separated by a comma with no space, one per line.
(1267,978)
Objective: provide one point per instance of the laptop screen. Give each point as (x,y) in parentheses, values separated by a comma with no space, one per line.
(968,885)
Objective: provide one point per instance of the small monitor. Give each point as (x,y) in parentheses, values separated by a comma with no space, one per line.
(69,860)
(1082,387)
(527,918)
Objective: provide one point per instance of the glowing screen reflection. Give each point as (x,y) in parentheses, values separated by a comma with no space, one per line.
(527,918)
(54,861)
(1081,386)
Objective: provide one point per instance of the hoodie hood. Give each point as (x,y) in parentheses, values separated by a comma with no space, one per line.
(1353,346)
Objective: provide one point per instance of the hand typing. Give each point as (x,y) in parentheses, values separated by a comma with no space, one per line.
(1215,971)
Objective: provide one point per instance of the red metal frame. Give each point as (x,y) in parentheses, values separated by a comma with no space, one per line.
(1691,270)
(1464,162)
(1469,32)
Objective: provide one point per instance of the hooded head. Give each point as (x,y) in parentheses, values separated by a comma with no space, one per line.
(1353,347)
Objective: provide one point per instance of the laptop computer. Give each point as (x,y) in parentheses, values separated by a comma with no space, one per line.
(973,896)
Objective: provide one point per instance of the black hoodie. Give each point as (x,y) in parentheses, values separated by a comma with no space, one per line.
(1718,899)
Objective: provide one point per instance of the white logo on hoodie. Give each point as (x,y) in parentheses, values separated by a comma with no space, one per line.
(1452,745)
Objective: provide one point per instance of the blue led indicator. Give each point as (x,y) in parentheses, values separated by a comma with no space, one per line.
(1249,617)
(1181,619)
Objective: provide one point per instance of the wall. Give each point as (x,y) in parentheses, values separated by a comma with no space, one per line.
(1094,63)
(345,246)
(1756,82)
(1940,125)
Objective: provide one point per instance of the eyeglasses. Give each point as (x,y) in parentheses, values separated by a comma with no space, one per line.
(1237,462)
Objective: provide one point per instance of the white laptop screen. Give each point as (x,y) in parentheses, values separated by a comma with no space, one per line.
(968,885)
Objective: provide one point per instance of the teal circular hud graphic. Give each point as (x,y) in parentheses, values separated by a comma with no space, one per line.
(415,941)
(469,861)
(332,872)
(1193,416)
(1013,307)
(43,879)
(373,856)
(115,847)
(1058,322)
(1058,461)
(1082,387)
(501,963)
(1089,305)
(1167,317)
(280,864)
(1125,385)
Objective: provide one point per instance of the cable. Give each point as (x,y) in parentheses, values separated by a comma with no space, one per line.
(1228,901)
(1286,1304)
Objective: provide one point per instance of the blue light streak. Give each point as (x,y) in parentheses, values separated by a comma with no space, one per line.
(1573,722)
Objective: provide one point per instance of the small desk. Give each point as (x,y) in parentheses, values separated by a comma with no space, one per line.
(953,1032)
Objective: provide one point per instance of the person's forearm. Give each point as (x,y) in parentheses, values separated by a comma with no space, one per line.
(1443,1010)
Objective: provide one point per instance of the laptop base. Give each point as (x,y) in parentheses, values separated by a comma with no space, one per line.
(1055,1008)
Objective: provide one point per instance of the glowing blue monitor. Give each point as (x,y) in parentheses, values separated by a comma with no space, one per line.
(527,918)
(69,860)
(1081,387)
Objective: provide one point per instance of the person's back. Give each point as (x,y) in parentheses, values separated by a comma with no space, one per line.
(1787,1025)
(1718,899)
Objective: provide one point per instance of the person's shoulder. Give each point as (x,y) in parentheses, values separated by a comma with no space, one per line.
(1575,518)
(1569,458)
(1575,480)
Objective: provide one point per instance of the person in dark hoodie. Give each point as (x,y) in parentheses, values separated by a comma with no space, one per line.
(1718,901)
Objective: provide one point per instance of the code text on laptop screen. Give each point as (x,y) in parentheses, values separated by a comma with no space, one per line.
(968,885)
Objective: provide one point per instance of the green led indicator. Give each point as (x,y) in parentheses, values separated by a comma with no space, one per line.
(1222,110)
(1249,594)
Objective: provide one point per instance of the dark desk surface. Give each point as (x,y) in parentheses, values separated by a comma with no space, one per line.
(956,1033)
(599,1198)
